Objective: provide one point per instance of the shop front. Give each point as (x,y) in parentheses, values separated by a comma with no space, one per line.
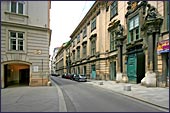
(163,50)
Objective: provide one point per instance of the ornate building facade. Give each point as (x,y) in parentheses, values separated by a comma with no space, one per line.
(125,41)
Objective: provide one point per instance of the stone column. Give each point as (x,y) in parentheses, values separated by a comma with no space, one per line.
(155,52)
(152,28)
(119,74)
(150,51)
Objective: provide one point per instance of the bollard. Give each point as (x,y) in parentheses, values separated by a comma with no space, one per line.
(100,83)
(127,88)
(49,83)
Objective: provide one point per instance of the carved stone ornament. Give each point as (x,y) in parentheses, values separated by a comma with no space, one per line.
(152,13)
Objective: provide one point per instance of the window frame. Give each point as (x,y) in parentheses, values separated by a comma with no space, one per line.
(167,14)
(84,50)
(17,39)
(17,7)
(93,46)
(93,24)
(74,55)
(78,53)
(112,40)
(84,32)
(113,7)
(73,43)
(134,32)
(78,38)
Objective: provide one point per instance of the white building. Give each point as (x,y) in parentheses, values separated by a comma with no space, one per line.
(25,40)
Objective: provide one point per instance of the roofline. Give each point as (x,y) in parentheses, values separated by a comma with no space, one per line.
(85,17)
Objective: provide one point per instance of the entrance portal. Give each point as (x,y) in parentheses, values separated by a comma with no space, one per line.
(16,75)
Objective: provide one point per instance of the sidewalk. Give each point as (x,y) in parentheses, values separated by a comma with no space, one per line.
(30,99)
(153,95)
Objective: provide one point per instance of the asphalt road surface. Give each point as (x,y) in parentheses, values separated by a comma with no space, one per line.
(82,97)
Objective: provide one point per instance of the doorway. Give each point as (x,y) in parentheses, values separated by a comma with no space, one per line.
(93,72)
(16,75)
(113,70)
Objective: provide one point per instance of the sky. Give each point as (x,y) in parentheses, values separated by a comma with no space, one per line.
(64,18)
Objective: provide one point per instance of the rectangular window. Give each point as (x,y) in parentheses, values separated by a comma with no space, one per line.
(13,7)
(20,8)
(93,46)
(78,53)
(74,55)
(16,41)
(84,32)
(113,9)
(168,15)
(78,38)
(17,7)
(73,43)
(112,40)
(133,29)
(93,24)
(84,50)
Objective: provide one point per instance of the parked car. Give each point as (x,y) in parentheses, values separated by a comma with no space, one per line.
(73,76)
(68,76)
(80,77)
(64,75)
(55,74)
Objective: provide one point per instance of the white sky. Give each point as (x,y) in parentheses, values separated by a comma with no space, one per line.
(64,18)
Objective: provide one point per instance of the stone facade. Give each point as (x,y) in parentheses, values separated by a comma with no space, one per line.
(25,40)
(117,40)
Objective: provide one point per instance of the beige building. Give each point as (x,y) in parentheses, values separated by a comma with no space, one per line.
(60,60)
(117,40)
(25,40)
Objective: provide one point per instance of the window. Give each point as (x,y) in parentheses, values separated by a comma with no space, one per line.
(168,16)
(93,46)
(78,53)
(112,40)
(84,50)
(73,43)
(93,24)
(133,29)
(78,38)
(113,9)
(16,41)
(73,55)
(84,32)
(17,7)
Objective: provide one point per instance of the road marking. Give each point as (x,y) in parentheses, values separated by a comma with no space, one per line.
(62,104)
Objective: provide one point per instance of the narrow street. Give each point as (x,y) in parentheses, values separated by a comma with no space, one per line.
(82,97)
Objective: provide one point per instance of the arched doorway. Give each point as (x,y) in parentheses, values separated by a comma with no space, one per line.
(16,74)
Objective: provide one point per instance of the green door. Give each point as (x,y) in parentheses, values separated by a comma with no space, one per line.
(112,70)
(131,68)
(93,73)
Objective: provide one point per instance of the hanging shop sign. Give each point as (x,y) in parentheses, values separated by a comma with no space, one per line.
(163,46)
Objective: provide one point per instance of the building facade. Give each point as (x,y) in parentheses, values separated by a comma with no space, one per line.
(125,41)
(60,59)
(25,40)
(53,60)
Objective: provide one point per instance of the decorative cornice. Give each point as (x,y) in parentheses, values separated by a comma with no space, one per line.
(12,24)
(134,5)
(113,24)
(84,42)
